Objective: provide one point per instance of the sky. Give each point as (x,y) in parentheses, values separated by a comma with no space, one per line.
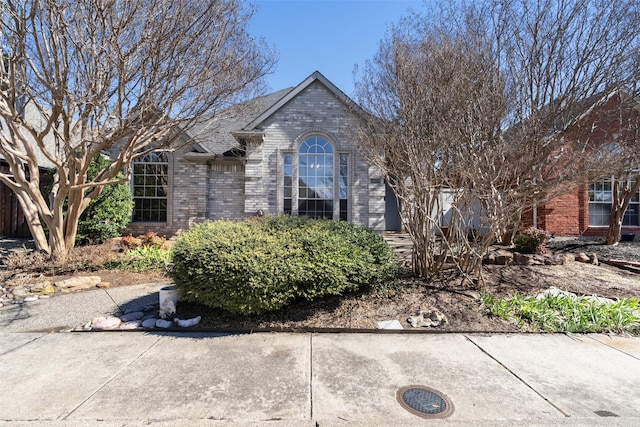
(330,36)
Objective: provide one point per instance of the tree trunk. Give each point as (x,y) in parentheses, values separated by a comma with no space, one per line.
(622,195)
(614,234)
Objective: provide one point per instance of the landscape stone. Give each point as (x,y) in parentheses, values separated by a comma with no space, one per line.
(31,298)
(134,324)
(149,323)
(103,285)
(161,323)
(559,259)
(105,323)
(187,323)
(21,291)
(593,259)
(42,287)
(81,282)
(504,259)
(582,257)
(136,315)
(427,318)
(489,259)
(522,259)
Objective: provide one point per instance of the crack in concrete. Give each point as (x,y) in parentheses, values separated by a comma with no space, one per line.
(529,386)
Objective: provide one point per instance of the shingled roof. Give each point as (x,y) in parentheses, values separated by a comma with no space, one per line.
(215,136)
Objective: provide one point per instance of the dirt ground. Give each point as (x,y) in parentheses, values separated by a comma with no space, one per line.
(460,303)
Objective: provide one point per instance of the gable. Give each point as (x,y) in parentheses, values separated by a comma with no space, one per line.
(314,79)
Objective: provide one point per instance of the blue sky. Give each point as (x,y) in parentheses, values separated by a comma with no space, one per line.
(330,36)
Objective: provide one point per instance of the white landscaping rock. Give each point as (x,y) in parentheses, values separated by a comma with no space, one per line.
(149,323)
(161,323)
(134,324)
(427,318)
(105,323)
(188,322)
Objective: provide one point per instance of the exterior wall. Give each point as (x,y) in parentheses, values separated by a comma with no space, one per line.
(315,111)
(226,190)
(568,215)
(187,198)
(564,215)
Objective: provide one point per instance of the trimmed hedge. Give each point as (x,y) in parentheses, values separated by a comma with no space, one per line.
(261,265)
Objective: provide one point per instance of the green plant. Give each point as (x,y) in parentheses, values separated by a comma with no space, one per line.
(108,213)
(261,265)
(559,313)
(531,241)
(143,259)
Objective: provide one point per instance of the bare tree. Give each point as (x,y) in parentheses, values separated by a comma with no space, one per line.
(621,121)
(433,96)
(82,77)
(559,59)
(499,119)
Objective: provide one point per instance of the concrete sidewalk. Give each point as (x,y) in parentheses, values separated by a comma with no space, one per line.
(278,379)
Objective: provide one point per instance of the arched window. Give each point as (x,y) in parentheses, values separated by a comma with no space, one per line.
(149,185)
(320,192)
(315,178)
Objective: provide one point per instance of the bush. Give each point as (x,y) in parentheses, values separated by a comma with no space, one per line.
(261,265)
(108,213)
(531,241)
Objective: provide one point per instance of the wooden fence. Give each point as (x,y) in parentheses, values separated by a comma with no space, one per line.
(12,220)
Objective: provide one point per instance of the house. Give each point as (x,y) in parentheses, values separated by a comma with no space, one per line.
(291,152)
(585,211)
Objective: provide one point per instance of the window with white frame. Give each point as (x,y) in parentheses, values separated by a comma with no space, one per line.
(149,187)
(310,186)
(601,200)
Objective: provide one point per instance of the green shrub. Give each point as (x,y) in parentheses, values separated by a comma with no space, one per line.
(531,241)
(261,265)
(108,213)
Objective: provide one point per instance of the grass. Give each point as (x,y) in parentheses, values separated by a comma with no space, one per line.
(558,313)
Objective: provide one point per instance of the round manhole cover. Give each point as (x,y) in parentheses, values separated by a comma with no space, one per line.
(424,401)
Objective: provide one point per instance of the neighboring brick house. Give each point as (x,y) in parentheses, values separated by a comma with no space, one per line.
(288,152)
(585,211)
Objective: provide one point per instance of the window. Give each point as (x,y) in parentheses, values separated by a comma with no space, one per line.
(601,200)
(316,192)
(315,178)
(288,183)
(150,175)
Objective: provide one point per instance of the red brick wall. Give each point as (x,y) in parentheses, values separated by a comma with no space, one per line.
(568,215)
(563,215)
